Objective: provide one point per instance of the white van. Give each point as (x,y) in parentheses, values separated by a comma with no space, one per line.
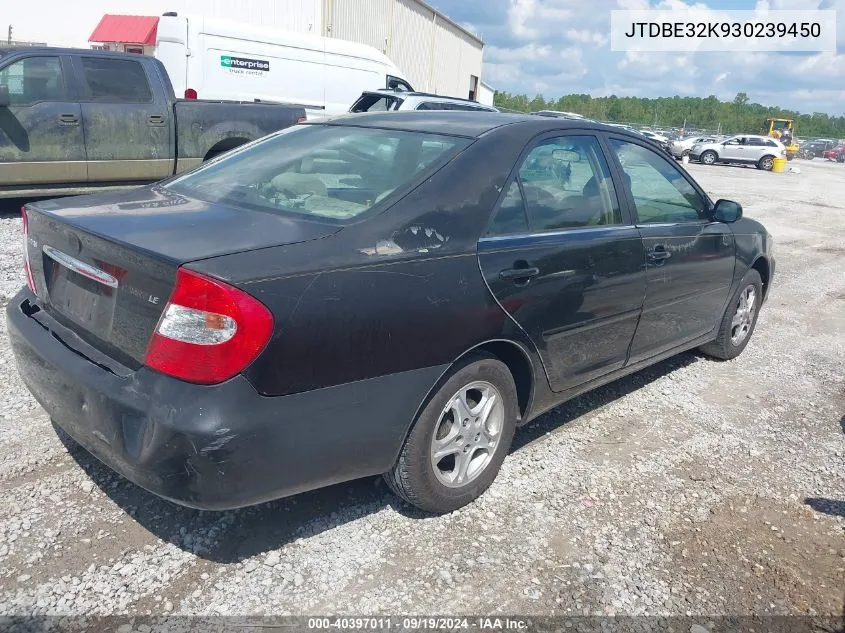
(216,59)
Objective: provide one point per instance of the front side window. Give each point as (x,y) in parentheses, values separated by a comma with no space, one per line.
(660,191)
(394,83)
(33,80)
(116,80)
(566,184)
(326,172)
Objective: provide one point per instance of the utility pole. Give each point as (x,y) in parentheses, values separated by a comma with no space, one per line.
(9,38)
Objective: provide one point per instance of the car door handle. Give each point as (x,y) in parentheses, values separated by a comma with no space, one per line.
(68,119)
(659,254)
(519,274)
(156,119)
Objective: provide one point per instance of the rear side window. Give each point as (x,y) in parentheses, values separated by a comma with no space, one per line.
(563,183)
(431,105)
(462,107)
(329,172)
(116,80)
(771,143)
(33,80)
(510,219)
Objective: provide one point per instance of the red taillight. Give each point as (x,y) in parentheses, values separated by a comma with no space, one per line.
(209,331)
(302,119)
(30,280)
(191,94)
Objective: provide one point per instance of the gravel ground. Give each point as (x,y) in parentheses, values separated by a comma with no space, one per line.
(693,487)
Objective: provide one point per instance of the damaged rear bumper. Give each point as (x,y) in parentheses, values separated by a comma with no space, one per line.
(211,447)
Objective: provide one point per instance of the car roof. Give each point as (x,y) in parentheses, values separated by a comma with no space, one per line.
(466,124)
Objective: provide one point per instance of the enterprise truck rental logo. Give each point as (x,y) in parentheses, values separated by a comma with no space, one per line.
(251,66)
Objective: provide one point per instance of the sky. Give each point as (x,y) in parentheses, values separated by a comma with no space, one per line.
(555,47)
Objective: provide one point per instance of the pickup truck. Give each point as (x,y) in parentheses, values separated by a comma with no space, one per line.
(78,121)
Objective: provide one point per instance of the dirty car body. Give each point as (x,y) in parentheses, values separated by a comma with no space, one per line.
(385,248)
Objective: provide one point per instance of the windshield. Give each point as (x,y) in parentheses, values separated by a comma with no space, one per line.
(327,172)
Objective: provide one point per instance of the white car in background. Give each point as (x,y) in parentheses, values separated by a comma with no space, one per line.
(682,146)
(749,149)
(657,138)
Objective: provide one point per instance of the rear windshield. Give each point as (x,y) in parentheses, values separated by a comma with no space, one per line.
(327,172)
(376,103)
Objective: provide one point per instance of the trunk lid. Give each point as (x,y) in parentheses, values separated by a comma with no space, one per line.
(105,265)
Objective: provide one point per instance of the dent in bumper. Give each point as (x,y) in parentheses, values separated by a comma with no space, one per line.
(216,447)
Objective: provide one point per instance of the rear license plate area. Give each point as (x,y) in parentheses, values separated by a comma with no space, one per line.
(81,299)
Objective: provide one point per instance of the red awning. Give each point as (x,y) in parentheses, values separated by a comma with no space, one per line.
(126,29)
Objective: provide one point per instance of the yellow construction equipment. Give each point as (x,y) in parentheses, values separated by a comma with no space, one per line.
(784,131)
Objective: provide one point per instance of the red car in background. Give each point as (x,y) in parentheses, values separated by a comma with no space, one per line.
(835,153)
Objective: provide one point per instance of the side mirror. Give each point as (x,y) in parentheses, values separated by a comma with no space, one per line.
(5,100)
(727,211)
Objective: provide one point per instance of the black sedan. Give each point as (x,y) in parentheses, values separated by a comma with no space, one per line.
(379,294)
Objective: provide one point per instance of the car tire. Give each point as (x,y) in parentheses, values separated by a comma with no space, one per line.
(766,163)
(708,158)
(739,320)
(431,485)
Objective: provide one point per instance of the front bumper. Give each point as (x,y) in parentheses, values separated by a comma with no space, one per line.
(212,447)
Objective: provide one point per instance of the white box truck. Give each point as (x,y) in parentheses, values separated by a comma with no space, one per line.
(210,58)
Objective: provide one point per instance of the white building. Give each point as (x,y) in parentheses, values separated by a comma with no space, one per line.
(435,53)
(486,94)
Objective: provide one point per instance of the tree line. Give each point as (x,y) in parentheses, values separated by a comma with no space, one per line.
(739,115)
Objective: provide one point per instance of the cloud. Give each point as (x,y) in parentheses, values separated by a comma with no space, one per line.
(557,47)
(585,36)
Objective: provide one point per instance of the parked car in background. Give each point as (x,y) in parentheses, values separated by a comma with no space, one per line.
(681,147)
(835,153)
(79,120)
(815,149)
(661,141)
(223,59)
(743,149)
(391,293)
(558,114)
(392,100)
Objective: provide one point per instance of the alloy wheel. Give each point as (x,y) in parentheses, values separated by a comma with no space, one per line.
(467,434)
(744,316)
